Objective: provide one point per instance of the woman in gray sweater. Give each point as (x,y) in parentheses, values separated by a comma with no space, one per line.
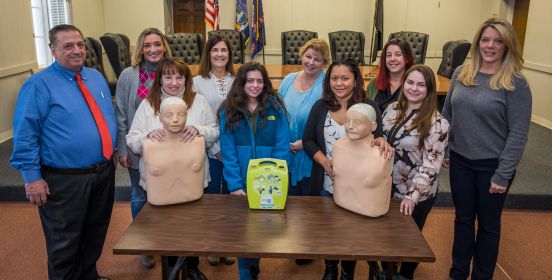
(133,86)
(489,108)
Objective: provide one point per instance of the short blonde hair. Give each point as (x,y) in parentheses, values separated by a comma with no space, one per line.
(318,45)
(512,62)
(139,52)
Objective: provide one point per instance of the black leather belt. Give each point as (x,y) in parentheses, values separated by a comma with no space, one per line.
(96,168)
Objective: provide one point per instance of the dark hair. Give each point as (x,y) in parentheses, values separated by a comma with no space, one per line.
(235,104)
(169,66)
(382,80)
(61,28)
(422,121)
(205,63)
(359,94)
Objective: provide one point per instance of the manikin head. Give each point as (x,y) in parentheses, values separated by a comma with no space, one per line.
(173,114)
(360,121)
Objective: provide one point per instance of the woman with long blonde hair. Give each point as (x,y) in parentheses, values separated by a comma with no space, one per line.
(489,108)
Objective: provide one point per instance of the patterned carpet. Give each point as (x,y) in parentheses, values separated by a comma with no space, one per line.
(523,254)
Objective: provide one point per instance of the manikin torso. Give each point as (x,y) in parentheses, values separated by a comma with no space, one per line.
(175,170)
(362,177)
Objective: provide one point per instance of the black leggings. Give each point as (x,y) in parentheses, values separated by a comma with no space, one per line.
(470,181)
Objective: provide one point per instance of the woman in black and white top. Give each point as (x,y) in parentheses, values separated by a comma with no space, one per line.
(343,87)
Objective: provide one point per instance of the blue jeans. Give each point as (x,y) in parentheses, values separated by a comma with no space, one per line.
(244,267)
(301,189)
(217,184)
(138,196)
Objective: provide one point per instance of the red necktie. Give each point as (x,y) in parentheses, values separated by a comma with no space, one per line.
(107,148)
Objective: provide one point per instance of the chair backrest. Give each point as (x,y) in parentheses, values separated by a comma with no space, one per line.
(117,50)
(347,44)
(236,40)
(94,54)
(454,54)
(292,41)
(187,46)
(418,42)
(125,39)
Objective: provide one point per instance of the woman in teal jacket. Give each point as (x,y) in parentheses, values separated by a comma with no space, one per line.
(253,124)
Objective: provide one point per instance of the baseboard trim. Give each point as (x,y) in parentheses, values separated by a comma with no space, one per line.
(541,121)
(6,135)
(16,69)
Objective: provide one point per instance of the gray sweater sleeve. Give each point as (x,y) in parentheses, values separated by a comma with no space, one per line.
(121,104)
(447,107)
(519,106)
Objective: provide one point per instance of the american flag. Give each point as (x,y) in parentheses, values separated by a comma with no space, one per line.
(212,14)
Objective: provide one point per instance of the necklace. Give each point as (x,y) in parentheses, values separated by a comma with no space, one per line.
(302,86)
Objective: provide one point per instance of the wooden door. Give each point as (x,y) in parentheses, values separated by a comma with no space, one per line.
(519,22)
(189,16)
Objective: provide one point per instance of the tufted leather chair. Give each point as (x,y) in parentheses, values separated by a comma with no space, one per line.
(418,42)
(347,44)
(237,44)
(292,41)
(94,59)
(94,54)
(117,49)
(187,46)
(454,54)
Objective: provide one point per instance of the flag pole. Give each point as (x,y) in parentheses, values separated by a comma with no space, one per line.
(264,44)
(373,34)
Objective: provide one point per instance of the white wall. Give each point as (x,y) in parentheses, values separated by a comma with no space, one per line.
(322,16)
(443,20)
(538,59)
(88,16)
(17,57)
(130,17)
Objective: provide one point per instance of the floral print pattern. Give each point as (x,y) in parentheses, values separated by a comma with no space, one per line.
(332,132)
(415,168)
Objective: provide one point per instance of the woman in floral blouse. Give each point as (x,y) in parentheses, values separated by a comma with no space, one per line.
(419,134)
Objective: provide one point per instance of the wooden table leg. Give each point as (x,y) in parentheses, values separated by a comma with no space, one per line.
(169,272)
(373,270)
(165,270)
(389,268)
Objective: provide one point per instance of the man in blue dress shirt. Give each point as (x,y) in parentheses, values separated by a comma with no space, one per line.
(58,150)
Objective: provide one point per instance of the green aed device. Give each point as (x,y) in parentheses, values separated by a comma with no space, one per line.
(267,183)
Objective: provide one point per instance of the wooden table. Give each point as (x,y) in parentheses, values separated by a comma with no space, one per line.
(309,228)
